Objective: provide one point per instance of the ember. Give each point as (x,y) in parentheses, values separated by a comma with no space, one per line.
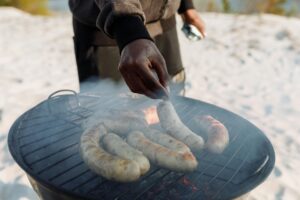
(151,115)
(190,184)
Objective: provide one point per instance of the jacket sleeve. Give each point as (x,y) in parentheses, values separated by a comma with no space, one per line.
(185,5)
(122,19)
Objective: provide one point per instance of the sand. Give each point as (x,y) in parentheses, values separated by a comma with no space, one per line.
(247,64)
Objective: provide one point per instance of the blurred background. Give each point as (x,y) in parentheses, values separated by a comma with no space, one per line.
(256,75)
(280,7)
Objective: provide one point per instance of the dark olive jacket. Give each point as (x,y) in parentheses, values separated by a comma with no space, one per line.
(105,14)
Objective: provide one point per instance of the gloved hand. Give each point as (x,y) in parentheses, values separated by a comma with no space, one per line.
(139,59)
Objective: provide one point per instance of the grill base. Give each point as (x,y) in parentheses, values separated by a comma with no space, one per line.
(45,193)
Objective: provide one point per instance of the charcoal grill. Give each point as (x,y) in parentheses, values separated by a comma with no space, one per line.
(44,142)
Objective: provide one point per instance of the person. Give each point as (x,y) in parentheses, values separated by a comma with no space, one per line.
(131,39)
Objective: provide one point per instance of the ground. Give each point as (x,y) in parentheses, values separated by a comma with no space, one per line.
(247,64)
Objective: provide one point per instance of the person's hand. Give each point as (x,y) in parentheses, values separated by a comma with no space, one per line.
(139,59)
(192,17)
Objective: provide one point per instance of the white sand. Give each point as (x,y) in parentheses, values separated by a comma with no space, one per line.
(248,64)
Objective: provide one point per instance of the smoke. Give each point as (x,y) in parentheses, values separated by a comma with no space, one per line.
(112,99)
(98,86)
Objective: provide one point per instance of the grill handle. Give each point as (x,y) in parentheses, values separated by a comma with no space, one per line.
(53,95)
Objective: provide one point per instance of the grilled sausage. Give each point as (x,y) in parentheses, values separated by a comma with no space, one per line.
(171,122)
(217,133)
(122,125)
(117,146)
(162,156)
(166,140)
(126,113)
(103,163)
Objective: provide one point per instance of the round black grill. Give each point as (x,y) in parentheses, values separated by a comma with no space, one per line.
(44,141)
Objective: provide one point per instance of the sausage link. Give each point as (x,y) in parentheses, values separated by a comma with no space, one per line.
(162,156)
(171,122)
(117,146)
(101,162)
(217,133)
(166,140)
(123,125)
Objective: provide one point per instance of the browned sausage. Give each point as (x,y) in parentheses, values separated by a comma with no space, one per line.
(171,122)
(117,146)
(103,163)
(166,140)
(217,133)
(122,125)
(162,156)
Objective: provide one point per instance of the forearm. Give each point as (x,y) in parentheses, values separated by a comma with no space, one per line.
(110,10)
(128,29)
(122,20)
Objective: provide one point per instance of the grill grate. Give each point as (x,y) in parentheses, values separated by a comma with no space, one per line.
(44,142)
